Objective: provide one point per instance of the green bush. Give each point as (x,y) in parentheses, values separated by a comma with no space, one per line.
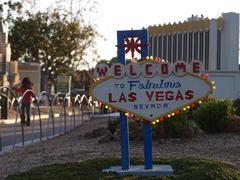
(173,126)
(113,125)
(135,130)
(236,106)
(179,126)
(213,115)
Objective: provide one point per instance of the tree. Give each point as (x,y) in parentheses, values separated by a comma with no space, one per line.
(52,40)
(9,10)
(112,61)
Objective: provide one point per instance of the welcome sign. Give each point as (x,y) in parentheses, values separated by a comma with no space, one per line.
(150,89)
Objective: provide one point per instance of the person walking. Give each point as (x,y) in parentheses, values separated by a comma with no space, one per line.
(27,99)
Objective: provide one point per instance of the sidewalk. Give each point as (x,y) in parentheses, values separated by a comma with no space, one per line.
(43,116)
(9,133)
(116,114)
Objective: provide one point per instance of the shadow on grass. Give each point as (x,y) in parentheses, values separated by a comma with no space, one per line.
(184,168)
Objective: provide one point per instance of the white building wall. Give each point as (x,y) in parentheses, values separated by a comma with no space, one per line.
(230,42)
(227,84)
(212,45)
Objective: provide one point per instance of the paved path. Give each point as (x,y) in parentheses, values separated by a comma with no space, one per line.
(11,134)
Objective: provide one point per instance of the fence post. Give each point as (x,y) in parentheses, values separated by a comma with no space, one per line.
(4,105)
(65,116)
(82,113)
(15,126)
(40,120)
(73,110)
(0,142)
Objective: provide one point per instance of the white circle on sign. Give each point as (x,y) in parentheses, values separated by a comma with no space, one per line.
(118,70)
(164,69)
(195,66)
(101,70)
(149,69)
(180,68)
(133,70)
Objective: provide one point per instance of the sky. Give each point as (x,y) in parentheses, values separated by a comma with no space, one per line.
(114,15)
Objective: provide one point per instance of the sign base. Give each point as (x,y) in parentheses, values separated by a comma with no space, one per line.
(139,170)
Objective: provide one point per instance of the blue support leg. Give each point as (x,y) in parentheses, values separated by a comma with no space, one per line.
(124,142)
(147,145)
(121,35)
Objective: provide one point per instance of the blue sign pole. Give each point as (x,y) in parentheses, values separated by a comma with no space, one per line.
(124,138)
(147,128)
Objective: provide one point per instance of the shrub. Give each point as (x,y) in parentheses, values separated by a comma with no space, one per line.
(213,115)
(113,125)
(158,132)
(135,130)
(233,125)
(194,126)
(173,126)
(179,126)
(236,106)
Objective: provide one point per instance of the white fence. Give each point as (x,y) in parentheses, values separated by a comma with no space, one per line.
(50,116)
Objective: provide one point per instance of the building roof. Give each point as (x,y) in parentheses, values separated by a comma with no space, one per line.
(190,25)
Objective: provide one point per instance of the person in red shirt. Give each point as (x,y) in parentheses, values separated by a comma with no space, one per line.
(27,99)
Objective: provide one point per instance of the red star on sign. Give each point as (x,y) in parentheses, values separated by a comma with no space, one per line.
(130,44)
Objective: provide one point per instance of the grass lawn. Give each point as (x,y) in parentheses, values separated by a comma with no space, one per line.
(184,168)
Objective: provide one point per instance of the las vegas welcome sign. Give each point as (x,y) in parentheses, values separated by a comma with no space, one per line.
(150,89)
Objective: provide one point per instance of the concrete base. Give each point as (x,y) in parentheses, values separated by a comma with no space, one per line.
(139,170)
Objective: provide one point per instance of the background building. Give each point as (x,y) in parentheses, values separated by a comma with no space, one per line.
(12,72)
(5,52)
(213,41)
(33,71)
